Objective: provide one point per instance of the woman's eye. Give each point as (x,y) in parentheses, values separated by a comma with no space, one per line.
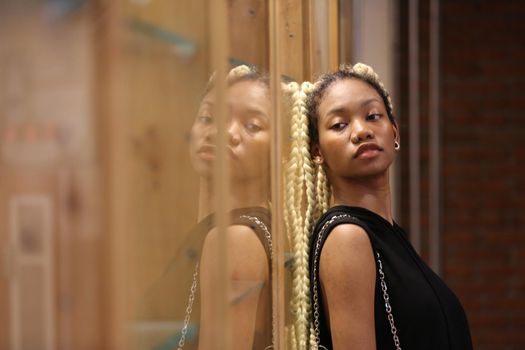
(252,127)
(205,119)
(373,116)
(338,126)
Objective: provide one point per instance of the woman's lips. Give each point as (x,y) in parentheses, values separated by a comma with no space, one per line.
(206,152)
(367,150)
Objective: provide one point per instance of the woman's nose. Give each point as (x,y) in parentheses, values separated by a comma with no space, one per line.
(211,133)
(361,132)
(234,135)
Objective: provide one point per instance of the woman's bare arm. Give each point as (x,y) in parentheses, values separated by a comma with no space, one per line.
(347,275)
(248,272)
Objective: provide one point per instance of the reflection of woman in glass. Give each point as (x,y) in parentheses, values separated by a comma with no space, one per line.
(369,288)
(248,236)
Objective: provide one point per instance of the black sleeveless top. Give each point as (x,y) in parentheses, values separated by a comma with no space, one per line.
(427,314)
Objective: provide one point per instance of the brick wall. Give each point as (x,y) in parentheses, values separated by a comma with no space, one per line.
(482,47)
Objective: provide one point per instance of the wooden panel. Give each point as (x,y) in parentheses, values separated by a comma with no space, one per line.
(323,37)
(248,32)
(292,39)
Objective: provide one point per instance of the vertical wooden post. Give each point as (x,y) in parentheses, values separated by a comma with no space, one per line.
(278,235)
(111,132)
(321,27)
(219,57)
(308,41)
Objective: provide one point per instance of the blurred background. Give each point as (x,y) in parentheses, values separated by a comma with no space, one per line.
(97,191)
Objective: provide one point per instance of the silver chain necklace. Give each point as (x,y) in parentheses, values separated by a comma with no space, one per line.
(386,297)
(189,308)
(261,225)
(193,288)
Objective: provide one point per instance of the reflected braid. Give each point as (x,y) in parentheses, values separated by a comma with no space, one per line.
(239,72)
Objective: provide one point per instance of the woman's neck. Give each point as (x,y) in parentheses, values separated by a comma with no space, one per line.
(371,193)
(242,195)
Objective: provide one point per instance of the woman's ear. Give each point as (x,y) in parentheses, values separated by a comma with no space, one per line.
(396,132)
(317,157)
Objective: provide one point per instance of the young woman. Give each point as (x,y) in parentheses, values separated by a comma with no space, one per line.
(248,235)
(369,288)
(191,271)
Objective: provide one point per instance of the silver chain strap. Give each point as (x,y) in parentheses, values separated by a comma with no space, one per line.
(386,297)
(189,308)
(388,307)
(193,289)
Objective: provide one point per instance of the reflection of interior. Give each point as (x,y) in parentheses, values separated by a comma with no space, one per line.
(97,192)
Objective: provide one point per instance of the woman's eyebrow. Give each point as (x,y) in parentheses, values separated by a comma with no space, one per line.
(336,110)
(342,109)
(259,113)
(253,111)
(369,101)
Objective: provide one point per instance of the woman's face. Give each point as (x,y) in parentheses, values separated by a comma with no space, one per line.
(248,132)
(356,137)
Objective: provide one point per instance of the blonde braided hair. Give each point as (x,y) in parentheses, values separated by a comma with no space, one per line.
(294,195)
(300,208)
(236,74)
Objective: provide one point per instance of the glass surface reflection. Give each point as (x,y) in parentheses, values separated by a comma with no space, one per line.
(248,234)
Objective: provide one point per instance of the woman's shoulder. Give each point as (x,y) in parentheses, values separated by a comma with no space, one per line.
(255,220)
(347,259)
(346,240)
(337,234)
(342,219)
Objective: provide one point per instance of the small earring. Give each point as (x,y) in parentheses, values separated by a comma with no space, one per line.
(318,160)
(396,145)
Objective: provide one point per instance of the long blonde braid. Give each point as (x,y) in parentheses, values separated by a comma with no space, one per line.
(300,198)
(294,197)
(311,215)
